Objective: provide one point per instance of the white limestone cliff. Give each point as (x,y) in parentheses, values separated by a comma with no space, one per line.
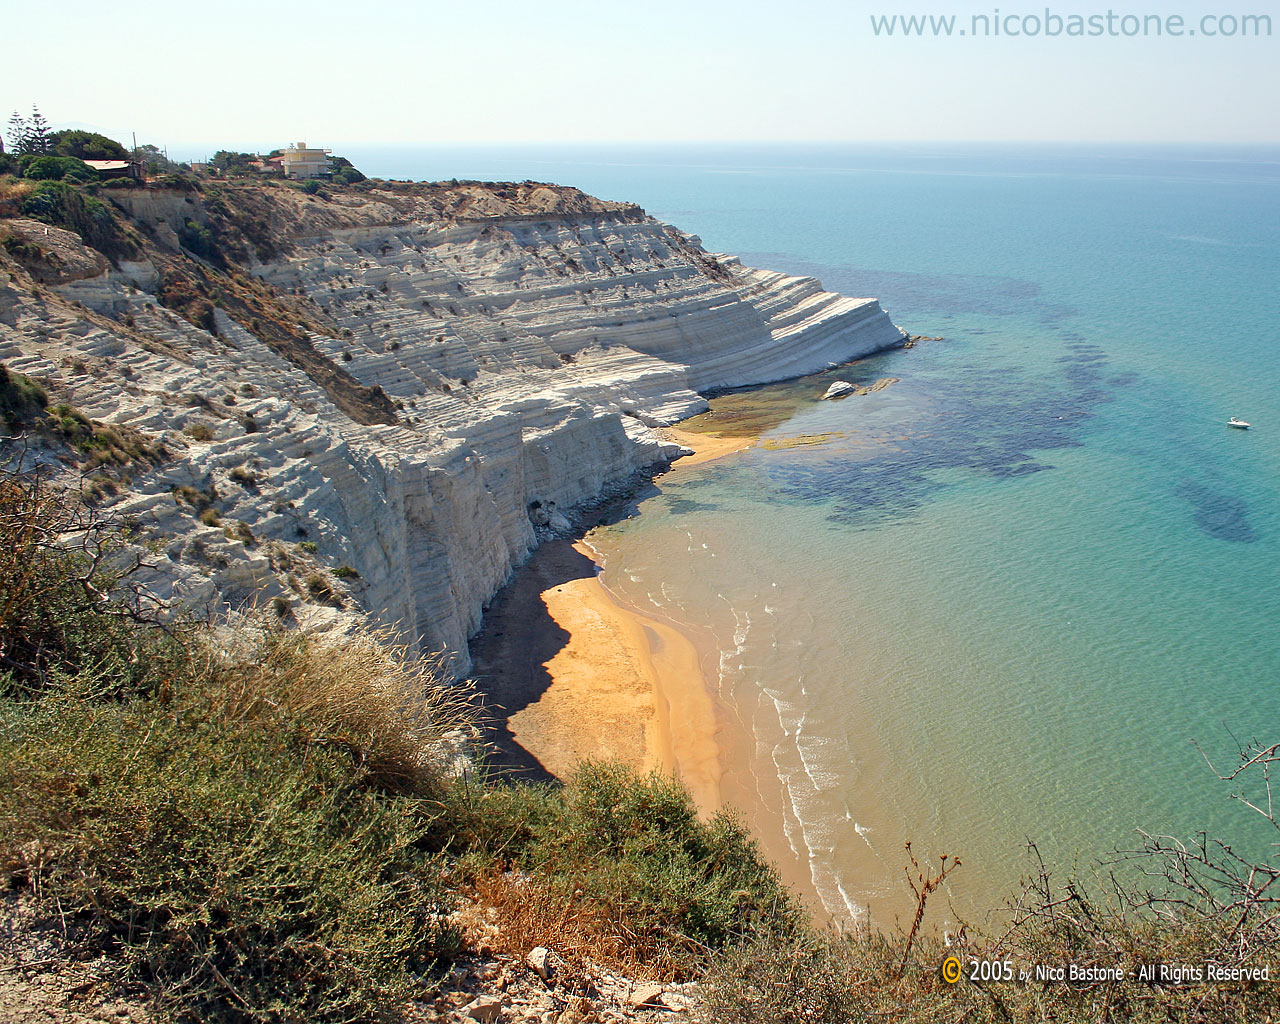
(528,355)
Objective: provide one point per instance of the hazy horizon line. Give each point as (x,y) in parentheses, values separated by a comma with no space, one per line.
(198,150)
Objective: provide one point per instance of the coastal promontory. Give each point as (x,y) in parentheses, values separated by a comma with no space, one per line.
(375,398)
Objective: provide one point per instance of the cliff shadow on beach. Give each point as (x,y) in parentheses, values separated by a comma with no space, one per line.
(510,654)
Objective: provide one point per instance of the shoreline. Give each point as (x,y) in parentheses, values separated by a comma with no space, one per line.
(706,447)
(574,673)
(681,738)
(577,671)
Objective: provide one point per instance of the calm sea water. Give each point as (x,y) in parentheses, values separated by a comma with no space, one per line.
(997,600)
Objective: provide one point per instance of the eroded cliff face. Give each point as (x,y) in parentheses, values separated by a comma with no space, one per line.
(464,357)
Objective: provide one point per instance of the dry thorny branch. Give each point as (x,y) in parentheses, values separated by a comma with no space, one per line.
(1204,880)
(923,883)
(41,524)
(1209,878)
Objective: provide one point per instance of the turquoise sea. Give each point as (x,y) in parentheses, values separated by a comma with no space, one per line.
(1004,595)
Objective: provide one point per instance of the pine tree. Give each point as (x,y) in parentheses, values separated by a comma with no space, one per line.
(17,134)
(38,133)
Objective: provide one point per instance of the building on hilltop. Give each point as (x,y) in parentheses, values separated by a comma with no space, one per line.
(298,161)
(114,168)
(268,164)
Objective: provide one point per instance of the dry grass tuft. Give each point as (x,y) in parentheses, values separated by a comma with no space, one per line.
(15,190)
(362,694)
(583,931)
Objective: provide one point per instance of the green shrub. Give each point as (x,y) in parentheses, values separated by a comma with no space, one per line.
(85,145)
(56,626)
(233,163)
(22,400)
(648,885)
(24,406)
(803,978)
(20,248)
(343,172)
(73,425)
(55,168)
(173,182)
(346,572)
(241,838)
(64,206)
(236,869)
(309,546)
(199,239)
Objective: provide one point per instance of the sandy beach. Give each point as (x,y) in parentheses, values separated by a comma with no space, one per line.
(705,446)
(570,673)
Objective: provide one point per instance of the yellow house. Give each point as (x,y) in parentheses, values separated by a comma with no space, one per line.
(300,162)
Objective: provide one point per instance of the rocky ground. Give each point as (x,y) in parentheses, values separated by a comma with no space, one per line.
(49,975)
(46,975)
(542,987)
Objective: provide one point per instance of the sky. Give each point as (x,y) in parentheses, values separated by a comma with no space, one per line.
(239,75)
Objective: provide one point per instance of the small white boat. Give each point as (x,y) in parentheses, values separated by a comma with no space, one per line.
(1238,423)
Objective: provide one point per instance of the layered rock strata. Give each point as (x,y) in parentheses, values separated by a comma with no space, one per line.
(528,339)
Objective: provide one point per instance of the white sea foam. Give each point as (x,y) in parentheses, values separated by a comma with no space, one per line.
(811,750)
(855,910)
(792,823)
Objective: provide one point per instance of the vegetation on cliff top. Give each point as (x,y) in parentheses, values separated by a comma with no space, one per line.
(260,826)
(206,272)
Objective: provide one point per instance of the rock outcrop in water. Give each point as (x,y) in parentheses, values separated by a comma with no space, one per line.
(363,395)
